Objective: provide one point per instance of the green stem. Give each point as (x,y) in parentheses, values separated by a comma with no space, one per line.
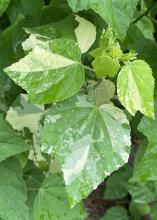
(32,189)
(152,19)
(144,13)
(94,97)
(88,68)
(141,16)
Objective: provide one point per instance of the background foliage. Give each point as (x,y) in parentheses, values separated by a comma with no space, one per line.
(78,112)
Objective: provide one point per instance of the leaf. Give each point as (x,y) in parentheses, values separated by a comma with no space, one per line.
(12,192)
(11,51)
(7,56)
(109,55)
(142,192)
(51,202)
(117,14)
(102,92)
(33,179)
(116,213)
(57,2)
(145,25)
(148,127)
(60,75)
(108,45)
(116,184)
(53,13)
(85,34)
(146,48)
(138,210)
(64,28)
(86,139)
(79,5)
(154,212)
(3,6)
(146,169)
(26,115)
(10,142)
(24,7)
(105,66)
(133,91)
(140,152)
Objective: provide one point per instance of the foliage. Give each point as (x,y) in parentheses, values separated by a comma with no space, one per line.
(77,108)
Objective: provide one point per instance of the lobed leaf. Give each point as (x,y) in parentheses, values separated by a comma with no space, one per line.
(51,202)
(50,73)
(86,139)
(12,192)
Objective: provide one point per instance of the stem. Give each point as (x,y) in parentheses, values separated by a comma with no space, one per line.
(94,97)
(144,13)
(32,189)
(152,19)
(88,68)
(141,16)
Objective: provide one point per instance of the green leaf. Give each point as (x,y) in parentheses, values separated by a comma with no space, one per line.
(3,6)
(145,25)
(142,192)
(33,179)
(51,203)
(51,73)
(8,56)
(109,55)
(10,142)
(108,45)
(25,115)
(146,48)
(117,14)
(153,213)
(24,7)
(116,184)
(57,2)
(105,66)
(11,51)
(116,213)
(101,92)
(12,192)
(86,139)
(64,28)
(140,152)
(138,210)
(133,91)
(148,127)
(146,169)
(85,34)
(79,5)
